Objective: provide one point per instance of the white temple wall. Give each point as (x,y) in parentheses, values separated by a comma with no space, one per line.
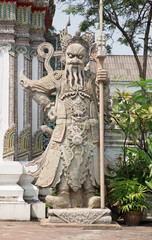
(20,93)
(122,86)
(34,104)
(4,95)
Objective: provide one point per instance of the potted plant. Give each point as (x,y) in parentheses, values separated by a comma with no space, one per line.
(131,197)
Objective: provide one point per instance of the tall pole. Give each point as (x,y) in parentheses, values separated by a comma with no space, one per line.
(101,78)
(101,15)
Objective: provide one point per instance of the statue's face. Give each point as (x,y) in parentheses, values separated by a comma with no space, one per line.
(75,63)
(76,55)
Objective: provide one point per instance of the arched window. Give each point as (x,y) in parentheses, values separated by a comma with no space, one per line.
(20,15)
(4,11)
(9,11)
(35,20)
(39,20)
(24,15)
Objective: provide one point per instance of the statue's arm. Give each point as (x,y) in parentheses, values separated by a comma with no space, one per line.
(44,85)
(40,89)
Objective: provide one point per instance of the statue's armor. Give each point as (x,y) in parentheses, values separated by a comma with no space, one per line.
(73,148)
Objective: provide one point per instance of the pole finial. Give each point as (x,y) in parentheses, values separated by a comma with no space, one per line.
(101,41)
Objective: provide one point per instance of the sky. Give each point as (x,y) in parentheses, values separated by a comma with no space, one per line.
(60,20)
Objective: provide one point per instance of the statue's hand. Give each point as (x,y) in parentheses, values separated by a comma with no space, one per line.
(101,75)
(23,80)
(51,114)
(98,76)
(45,128)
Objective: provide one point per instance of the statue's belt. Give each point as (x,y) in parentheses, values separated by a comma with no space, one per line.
(70,121)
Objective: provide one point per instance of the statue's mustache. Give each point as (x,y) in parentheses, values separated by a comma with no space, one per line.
(75,61)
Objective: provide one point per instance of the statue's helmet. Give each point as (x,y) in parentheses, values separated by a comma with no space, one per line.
(83,43)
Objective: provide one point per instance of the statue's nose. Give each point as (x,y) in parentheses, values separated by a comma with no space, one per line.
(76,60)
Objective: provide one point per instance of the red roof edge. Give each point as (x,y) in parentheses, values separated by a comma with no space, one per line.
(26,4)
(8,0)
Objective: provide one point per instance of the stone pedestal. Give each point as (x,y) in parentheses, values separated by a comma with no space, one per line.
(12,205)
(30,191)
(38,210)
(10,173)
(80,216)
(16,211)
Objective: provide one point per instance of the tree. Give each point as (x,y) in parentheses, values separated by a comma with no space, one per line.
(133,18)
(133,115)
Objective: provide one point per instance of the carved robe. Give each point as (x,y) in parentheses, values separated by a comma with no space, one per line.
(73,149)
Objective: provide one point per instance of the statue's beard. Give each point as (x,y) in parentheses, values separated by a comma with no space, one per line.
(75,75)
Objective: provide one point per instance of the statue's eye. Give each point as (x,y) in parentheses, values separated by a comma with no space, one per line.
(80,56)
(70,55)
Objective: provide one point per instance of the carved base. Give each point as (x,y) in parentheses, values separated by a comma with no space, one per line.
(80,216)
(101,226)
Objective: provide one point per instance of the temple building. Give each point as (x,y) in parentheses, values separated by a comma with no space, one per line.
(23,25)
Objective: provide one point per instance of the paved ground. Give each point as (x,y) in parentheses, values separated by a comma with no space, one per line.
(33,231)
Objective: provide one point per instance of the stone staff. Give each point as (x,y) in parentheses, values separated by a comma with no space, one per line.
(101,78)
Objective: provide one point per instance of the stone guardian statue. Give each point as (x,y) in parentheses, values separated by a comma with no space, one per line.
(70,162)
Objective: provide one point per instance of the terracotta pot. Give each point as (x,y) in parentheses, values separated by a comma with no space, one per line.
(132,218)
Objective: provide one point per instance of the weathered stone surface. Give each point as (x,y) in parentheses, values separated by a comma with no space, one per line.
(80,215)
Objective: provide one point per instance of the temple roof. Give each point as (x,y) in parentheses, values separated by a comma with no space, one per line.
(123,68)
(37,3)
(8,7)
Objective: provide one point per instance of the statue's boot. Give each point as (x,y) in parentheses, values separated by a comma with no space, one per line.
(94,202)
(62,200)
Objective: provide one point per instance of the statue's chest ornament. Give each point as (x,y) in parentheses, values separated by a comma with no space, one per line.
(79,112)
(74,91)
(78,109)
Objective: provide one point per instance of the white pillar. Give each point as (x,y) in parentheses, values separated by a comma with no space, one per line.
(4,95)
(20,93)
(34,104)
